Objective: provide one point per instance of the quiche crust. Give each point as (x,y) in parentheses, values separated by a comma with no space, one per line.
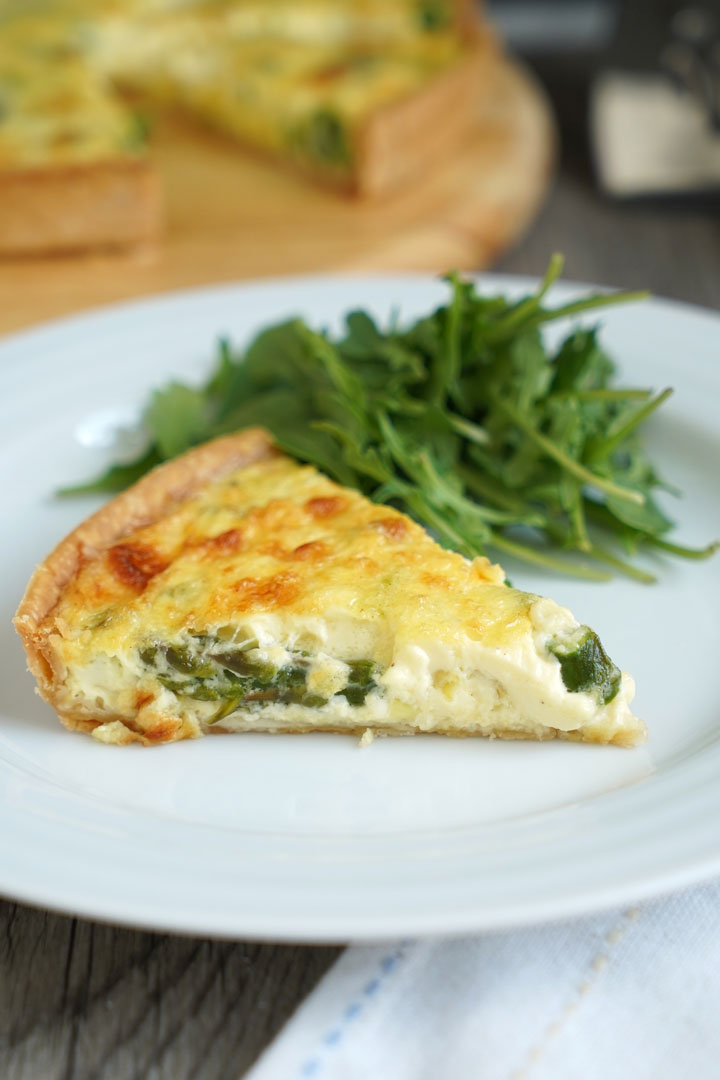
(116,203)
(393,143)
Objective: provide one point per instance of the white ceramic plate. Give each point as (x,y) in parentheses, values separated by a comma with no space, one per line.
(314,838)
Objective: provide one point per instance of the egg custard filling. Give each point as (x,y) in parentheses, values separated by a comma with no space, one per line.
(268,598)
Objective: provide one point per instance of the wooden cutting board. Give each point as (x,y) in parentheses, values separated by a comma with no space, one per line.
(231,215)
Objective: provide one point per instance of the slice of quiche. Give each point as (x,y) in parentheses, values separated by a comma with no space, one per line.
(361,115)
(235,590)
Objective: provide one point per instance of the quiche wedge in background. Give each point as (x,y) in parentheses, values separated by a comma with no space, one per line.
(363,112)
(234,590)
(362,96)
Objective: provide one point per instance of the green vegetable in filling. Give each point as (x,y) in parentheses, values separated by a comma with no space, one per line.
(237,660)
(139,131)
(234,677)
(361,681)
(434,14)
(585,666)
(187,662)
(324,138)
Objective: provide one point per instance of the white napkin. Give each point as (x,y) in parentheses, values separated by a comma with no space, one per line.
(651,139)
(629,995)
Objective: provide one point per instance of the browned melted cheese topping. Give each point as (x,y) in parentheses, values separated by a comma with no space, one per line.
(275,537)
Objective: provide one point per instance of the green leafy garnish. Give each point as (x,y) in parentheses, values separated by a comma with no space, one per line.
(467,419)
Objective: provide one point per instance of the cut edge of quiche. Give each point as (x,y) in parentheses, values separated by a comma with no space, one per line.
(233,589)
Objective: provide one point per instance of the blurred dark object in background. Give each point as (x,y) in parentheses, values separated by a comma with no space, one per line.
(635,86)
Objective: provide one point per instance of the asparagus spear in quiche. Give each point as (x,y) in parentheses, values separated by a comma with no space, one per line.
(235,590)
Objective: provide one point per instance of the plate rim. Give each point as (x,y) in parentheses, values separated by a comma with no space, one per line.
(329,277)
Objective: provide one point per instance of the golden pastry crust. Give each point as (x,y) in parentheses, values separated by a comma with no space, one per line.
(402,139)
(147,501)
(78,207)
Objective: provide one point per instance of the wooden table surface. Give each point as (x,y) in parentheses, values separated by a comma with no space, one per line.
(80,1001)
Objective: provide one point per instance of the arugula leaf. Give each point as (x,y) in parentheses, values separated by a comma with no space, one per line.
(176,419)
(465,419)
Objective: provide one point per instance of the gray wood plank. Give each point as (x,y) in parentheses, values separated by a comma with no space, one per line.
(84,1001)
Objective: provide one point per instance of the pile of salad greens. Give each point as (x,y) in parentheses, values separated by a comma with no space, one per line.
(466,419)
